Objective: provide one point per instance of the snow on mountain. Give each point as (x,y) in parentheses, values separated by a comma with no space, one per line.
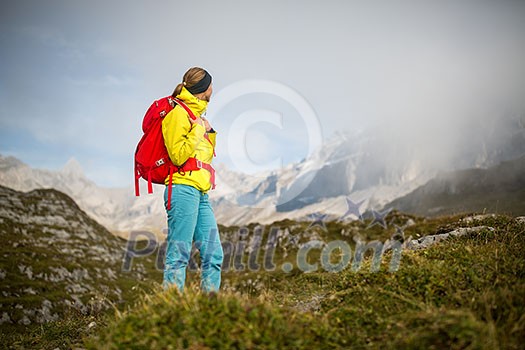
(367,167)
(346,166)
(361,166)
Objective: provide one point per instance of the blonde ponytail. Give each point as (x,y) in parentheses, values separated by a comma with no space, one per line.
(177,90)
(191,77)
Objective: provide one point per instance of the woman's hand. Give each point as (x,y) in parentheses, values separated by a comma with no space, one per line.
(201,121)
(206,124)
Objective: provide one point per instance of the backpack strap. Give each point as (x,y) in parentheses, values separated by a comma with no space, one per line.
(150,183)
(170,185)
(137,177)
(208,167)
(193,117)
(183,105)
(193,164)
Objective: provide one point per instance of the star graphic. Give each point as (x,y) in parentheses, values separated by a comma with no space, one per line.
(399,235)
(293,239)
(352,209)
(379,218)
(318,220)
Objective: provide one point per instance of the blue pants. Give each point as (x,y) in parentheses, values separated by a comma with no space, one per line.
(191,219)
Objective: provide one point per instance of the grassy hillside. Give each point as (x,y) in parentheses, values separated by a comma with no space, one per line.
(464,293)
(62,285)
(59,270)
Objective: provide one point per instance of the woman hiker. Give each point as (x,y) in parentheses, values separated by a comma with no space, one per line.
(190,144)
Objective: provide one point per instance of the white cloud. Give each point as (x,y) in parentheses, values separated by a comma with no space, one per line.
(81,74)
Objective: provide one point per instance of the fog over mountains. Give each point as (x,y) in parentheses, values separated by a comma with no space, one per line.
(371,168)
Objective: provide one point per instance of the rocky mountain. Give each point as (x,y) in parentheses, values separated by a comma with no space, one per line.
(369,168)
(54,258)
(344,167)
(498,189)
(115,208)
(293,192)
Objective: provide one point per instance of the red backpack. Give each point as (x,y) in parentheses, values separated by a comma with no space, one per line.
(152,161)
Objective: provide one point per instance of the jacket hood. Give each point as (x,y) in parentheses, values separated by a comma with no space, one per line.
(197,106)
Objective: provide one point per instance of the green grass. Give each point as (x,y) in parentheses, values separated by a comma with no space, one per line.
(200,321)
(25,295)
(67,333)
(464,293)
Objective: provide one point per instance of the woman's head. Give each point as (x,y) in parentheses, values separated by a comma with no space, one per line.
(198,82)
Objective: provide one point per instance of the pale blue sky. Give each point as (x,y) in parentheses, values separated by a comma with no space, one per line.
(77,76)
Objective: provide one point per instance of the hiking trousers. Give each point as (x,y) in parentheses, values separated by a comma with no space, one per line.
(191,220)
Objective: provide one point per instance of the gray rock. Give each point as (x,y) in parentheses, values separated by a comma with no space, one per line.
(427,241)
(520,219)
(5,318)
(25,321)
(479,217)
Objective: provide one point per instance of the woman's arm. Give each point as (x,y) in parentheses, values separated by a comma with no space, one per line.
(212,134)
(180,136)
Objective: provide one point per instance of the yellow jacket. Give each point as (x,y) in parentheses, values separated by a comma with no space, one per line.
(184,140)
